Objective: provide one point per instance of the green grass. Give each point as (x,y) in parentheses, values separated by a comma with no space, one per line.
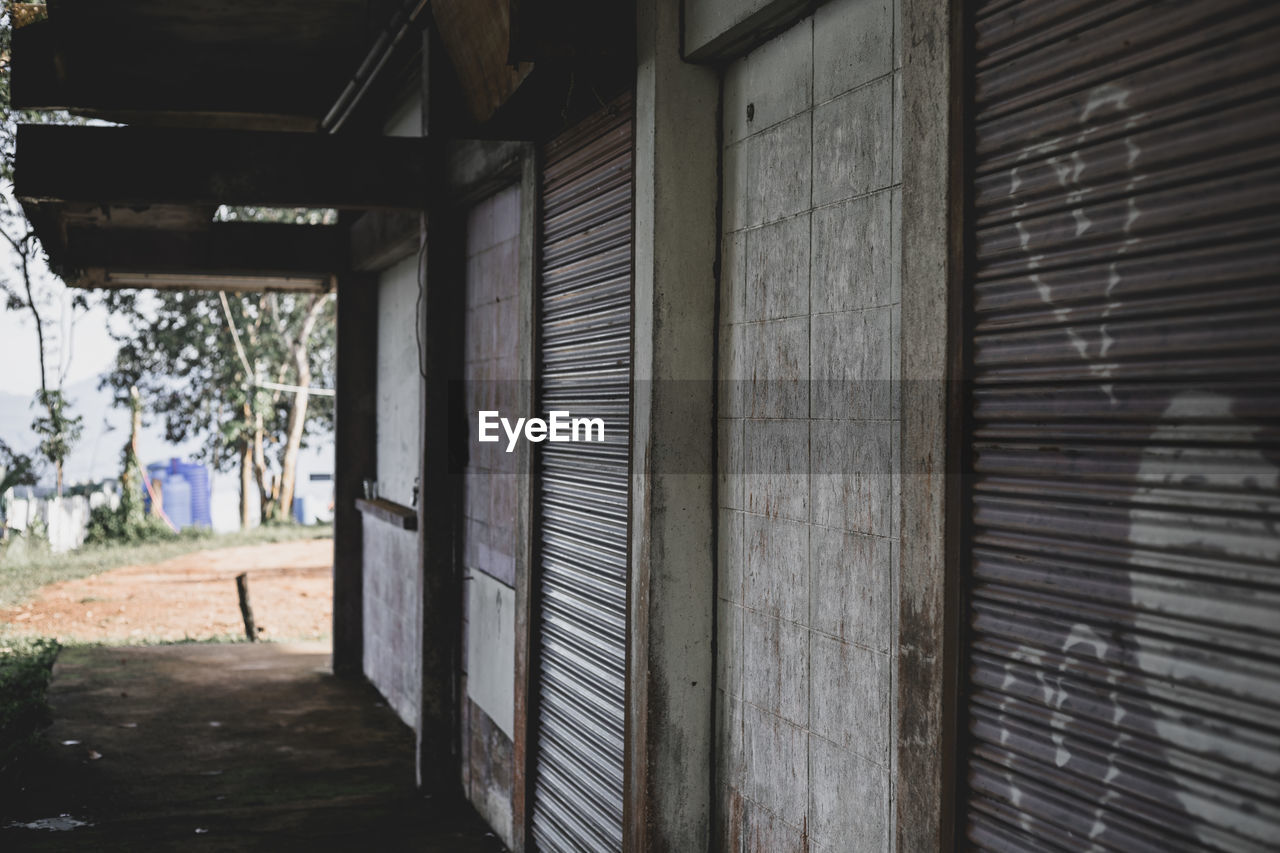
(25,667)
(22,575)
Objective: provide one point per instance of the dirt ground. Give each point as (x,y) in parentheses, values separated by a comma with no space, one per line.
(190,597)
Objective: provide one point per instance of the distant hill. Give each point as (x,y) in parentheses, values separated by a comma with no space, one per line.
(106,428)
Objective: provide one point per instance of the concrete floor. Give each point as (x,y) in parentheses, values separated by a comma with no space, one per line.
(225,747)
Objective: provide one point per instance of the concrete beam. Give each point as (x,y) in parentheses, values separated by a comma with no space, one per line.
(223,248)
(720,30)
(669,740)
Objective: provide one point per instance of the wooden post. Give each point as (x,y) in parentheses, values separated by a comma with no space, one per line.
(355,458)
(246,612)
(439,771)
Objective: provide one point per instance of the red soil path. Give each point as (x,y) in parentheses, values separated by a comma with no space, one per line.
(189,597)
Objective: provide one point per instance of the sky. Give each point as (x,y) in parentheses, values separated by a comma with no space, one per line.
(92,350)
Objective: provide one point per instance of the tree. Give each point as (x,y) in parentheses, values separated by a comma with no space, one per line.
(16,469)
(236,369)
(58,430)
(31,288)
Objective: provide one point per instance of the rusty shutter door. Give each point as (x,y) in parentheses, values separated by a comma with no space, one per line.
(584,325)
(1122,592)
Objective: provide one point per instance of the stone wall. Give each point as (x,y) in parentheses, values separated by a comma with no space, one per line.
(808,436)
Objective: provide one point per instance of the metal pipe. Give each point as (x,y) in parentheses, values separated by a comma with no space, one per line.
(374,61)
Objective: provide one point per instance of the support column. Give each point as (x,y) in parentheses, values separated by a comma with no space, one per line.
(444,446)
(444,426)
(672,607)
(932,249)
(355,435)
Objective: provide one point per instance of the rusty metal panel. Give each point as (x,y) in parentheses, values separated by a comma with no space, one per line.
(1122,591)
(584,347)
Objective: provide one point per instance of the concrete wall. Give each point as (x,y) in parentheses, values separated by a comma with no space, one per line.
(392,598)
(808,433)
(492,480)
(391,620)
(491,369)
(398,382)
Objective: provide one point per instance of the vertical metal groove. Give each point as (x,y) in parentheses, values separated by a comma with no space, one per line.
(584,323)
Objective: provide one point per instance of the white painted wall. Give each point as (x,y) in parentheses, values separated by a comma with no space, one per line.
(491,643)
(392,567)
(407,119)
(399,440)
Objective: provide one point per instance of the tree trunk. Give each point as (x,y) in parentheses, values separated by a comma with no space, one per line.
(266,483)
(298,411)
(246,480)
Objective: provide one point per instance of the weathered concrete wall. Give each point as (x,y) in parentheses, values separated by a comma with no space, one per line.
(398,379)
(489,702)
(492,480)
(392,623)
(808,431)
(392,598)
(491,368)
(392,601)
(669,737)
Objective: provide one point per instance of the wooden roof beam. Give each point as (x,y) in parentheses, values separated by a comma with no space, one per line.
(224,248)
(148,165)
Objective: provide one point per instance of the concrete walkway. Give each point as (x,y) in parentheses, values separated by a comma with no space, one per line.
(226,747)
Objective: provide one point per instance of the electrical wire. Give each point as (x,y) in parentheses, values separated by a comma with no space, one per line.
(417,310)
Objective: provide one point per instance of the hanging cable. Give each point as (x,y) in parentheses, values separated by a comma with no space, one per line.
(250,374)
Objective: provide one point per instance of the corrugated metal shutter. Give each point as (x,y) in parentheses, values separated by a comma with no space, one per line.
(584,322)
(1122,599)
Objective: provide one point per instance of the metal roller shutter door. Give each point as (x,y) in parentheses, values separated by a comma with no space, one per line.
(584,305)
(1121,616)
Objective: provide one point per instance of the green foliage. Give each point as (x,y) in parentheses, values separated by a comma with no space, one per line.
(114,525)
(25,668)
(294,215)
(179,353)
(32,543)
(58,430)
(16,469)
(28,285)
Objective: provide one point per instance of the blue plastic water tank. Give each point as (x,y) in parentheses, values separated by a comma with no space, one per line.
(197,476)
(185,492)
(157,472)
(177,500)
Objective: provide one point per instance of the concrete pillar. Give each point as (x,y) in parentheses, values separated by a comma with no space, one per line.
(355,458)
(932,245)
(669,740)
